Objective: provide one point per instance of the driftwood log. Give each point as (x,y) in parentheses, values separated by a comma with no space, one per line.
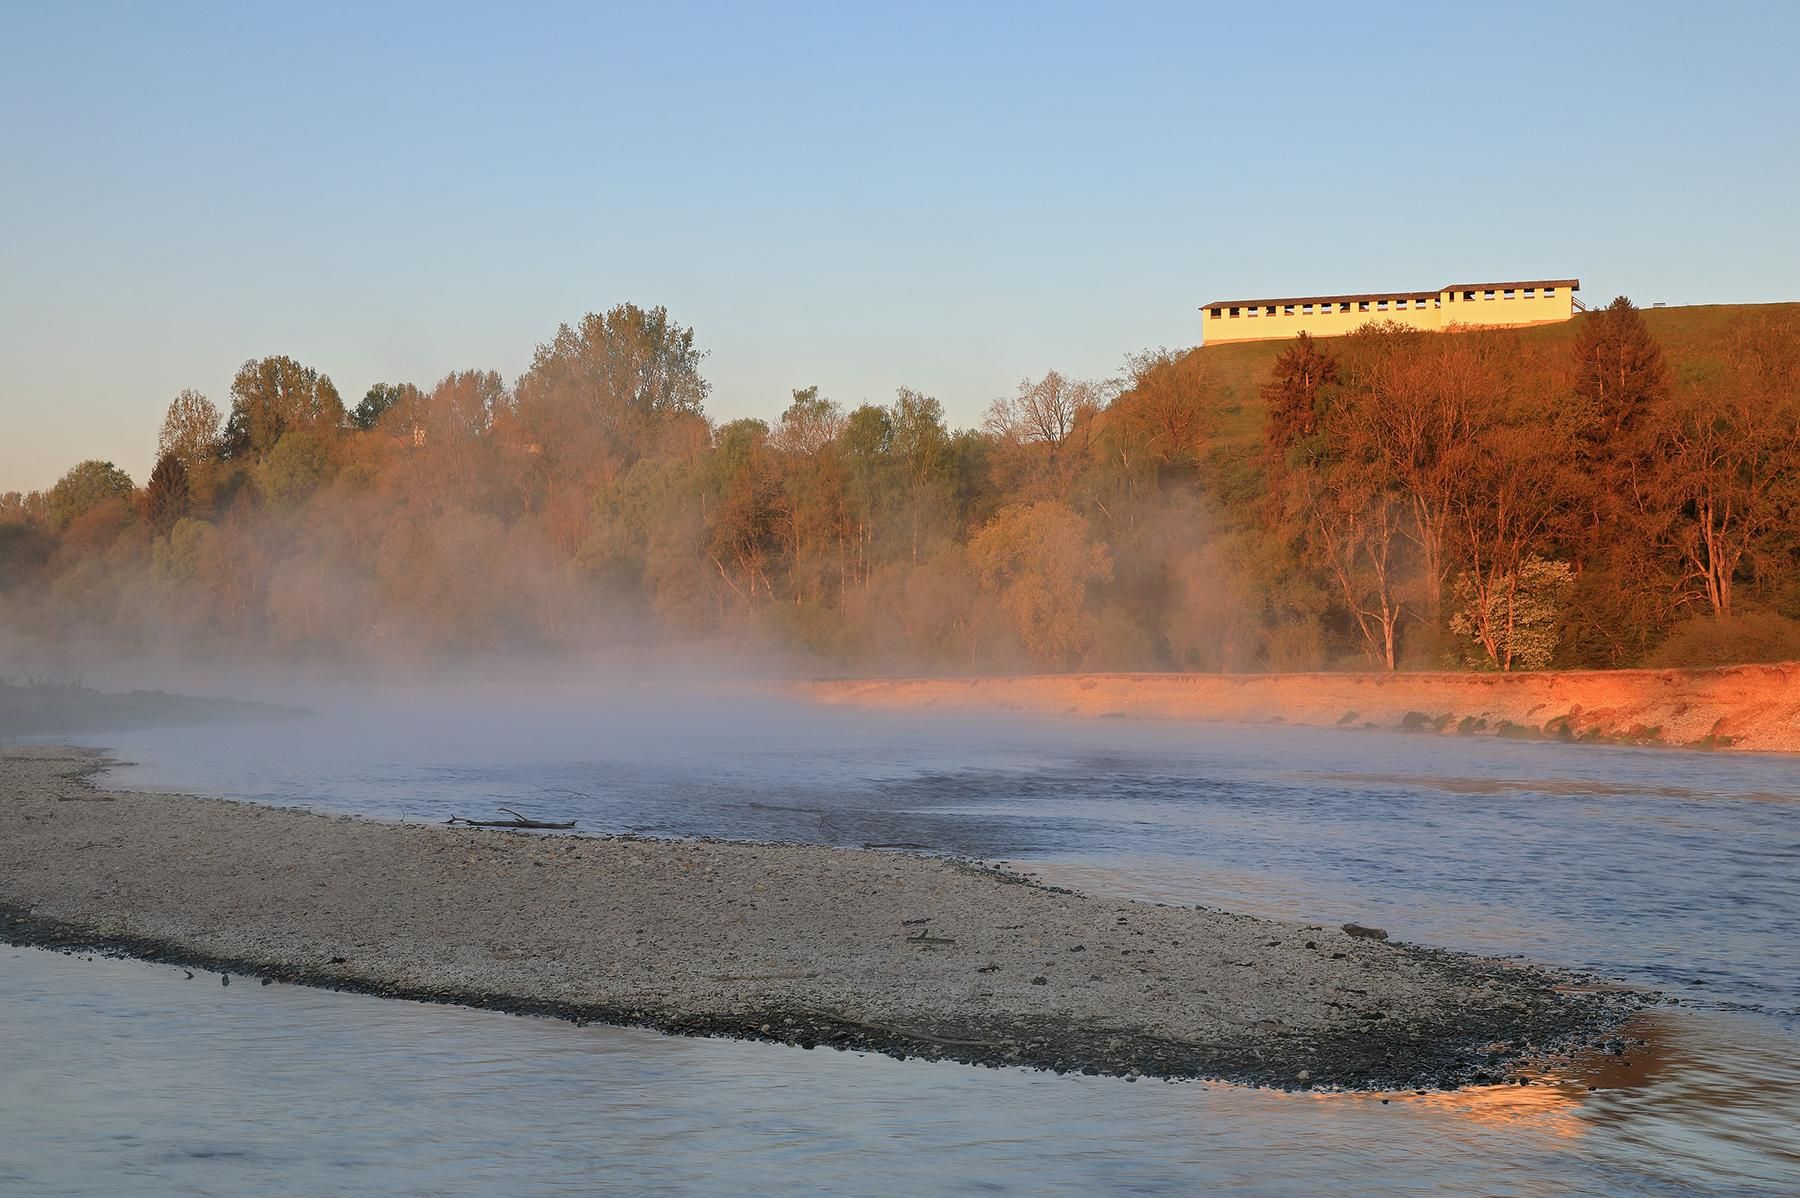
(517,821)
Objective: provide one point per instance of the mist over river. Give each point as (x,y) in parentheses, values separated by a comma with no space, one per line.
(1676,871)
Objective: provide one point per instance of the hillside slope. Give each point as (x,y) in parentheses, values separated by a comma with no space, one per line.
(1236,371)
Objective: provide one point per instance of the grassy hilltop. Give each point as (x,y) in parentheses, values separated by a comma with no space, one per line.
(1236,371)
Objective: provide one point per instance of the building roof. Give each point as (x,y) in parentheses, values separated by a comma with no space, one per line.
(1372,296)
(1571,284)
(1321,299)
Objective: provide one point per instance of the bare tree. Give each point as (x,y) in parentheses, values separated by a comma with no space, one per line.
(190,429)
(1514,488)
(1046,411)
(1413,401)
(1728,453)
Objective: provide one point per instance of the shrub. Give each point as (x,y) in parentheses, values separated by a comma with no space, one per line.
(1758,637)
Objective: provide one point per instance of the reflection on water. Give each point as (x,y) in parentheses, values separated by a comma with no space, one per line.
(1679,871)
(120,1077)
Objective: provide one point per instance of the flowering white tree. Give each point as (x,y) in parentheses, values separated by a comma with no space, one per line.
(1510,621)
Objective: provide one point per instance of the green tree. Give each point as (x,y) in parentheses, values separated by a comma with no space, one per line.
(1510,621)
(381,399)
(868,447)
(270,396)
(920,444)
(166,498)
(294,468)
(612,383)
(742,540)
(181,558)
(86,486)
(1040,559)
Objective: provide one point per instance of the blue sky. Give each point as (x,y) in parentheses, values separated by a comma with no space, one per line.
(858,196)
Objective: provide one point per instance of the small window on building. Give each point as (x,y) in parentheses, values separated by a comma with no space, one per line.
(1381,305)
(1344,307)
(1437,301)
(1509,293)
(1362,305)
(1468,297)
(1531,293)
(1487,295)
(1253,312)
(1287,309)
(1306,310)
(1549,293)
(1234,311)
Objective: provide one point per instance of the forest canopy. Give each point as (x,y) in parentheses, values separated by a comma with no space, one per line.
(1596,494)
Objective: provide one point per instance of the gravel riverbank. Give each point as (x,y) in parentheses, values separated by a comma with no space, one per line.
(1754,708)
(906,955)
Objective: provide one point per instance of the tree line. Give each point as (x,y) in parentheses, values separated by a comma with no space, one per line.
(1474,499)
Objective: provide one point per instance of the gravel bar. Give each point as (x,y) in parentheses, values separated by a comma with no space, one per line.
(906,955)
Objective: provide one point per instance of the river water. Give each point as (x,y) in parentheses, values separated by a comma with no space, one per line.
(1675,871)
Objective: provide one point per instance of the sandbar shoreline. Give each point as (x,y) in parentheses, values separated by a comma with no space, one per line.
(906,955)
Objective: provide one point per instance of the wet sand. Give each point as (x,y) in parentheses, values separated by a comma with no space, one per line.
(1754,708)
(906,955)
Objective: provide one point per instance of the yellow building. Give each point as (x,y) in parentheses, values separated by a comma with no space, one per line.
(1539,301)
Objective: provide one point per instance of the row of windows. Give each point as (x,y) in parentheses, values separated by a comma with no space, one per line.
(1505,293)
(1382,305)
(1397,305)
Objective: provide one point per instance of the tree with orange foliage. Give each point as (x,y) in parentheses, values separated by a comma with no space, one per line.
(1412,401)
(1293,394)
(1726,473)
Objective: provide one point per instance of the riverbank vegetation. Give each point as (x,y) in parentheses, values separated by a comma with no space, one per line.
(1620,490)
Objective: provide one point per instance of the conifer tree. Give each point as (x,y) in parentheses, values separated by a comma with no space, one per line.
(1619,370)
(166,495)
(1292,392)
